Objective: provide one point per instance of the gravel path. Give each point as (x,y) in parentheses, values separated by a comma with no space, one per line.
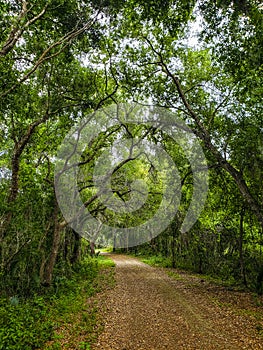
(148,310)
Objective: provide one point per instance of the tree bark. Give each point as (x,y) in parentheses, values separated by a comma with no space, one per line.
(92,248)
(48,274)
(18,29)
(15,168)
(76,248)
(241,238)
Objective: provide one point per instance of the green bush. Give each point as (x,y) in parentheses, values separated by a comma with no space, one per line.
(24,325)
(29,324)
(158,260)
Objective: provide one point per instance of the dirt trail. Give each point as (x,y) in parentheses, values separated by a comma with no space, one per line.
(148,310)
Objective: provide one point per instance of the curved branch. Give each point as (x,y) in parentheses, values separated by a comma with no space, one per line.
(16,32)
(204,135)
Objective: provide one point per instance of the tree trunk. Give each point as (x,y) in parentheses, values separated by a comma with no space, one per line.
(114,243)
(54,249)
(173,249)
(92,249)
(15,168)
(76,248)
(12,195)
(241,256)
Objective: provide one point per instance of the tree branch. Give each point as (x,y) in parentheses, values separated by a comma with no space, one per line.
(203,134)
(64,41)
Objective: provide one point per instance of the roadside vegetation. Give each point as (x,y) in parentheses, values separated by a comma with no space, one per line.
(63,63)
(41,321)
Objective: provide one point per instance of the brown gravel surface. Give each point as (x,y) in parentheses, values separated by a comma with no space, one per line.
(148,310)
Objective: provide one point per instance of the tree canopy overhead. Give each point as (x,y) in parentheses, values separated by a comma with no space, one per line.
(61,60)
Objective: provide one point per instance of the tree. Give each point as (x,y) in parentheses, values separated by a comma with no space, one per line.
(216,90)
(47,62)
(62,60)
(43,88)
(163,67)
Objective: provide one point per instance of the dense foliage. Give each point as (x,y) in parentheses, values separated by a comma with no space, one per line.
(32,323)
(61,60)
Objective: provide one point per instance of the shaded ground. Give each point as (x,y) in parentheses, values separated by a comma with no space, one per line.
(148,310)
